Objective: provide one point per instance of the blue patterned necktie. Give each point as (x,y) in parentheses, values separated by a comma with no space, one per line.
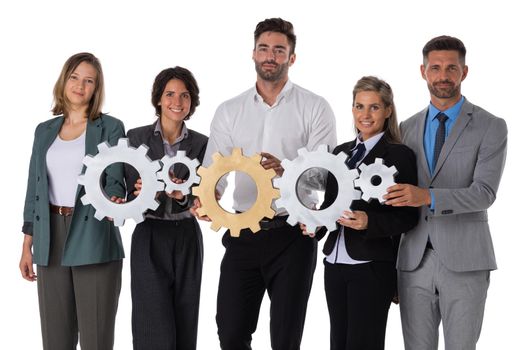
(352,161)
(440,137)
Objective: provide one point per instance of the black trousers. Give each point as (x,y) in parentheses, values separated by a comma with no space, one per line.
(166,270)
(359,298)
(281,261)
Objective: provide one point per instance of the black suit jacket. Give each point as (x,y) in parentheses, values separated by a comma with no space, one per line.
(380,240)
(194,145)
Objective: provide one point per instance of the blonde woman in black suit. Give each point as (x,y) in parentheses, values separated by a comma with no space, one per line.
(360,274)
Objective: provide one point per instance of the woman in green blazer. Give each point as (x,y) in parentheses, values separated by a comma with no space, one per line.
(78,258)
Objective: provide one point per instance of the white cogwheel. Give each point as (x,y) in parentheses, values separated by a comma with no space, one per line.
(293,170)
(265,192)
(179,158)
(374,179)
(121,153)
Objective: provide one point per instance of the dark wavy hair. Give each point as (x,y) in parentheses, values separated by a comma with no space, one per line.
(277,25)
(162,80)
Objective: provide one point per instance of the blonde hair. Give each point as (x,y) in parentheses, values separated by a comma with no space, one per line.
(61,104)
(370,83)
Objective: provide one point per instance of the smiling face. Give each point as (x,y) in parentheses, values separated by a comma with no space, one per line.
(272,56)
(175,102)
(443,71)
(80,86)
(370,113)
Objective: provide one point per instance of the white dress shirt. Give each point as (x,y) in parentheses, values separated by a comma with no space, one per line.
(298,119)
(339,255)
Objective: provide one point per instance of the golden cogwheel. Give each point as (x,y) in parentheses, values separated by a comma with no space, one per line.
(265,192)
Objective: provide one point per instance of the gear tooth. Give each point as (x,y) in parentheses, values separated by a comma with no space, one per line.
(341,157)
(118,222)
(255,227)
(215,226)
(331,227)
(99,215)
(143,150)
(311,228)
(196,191)
(236,152)
(379,161)
(103,146)
(202,212)
(216,157)
(292,220)
(181,153)
(84,199)
(322,148)
(366,197)
(279,203)
(362,167)
(185,191)
(138,218)
(270,213)
(153,204)
(276,193)
(197,180)
(88,160)
(235,232)
(159,186)
(302,151)
(194,163)
(123,142)
(81,180)
(277,182)
(202,171)
(256,158)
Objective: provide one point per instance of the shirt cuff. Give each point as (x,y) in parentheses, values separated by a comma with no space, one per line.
(182,202)
(432,200)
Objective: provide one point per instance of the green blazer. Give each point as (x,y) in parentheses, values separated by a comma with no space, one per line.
(89,241)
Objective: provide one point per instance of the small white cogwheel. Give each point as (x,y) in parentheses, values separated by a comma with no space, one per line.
(374,179)
(179,158)
(293,170)
(265,192)
(121,153)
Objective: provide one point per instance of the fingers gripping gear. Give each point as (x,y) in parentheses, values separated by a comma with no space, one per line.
(265,192)
(293,170)
(137,158)
(179,158)
(374,179)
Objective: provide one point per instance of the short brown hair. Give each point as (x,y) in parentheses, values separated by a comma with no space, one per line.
(447,43)
(370,83)
(61,104)
(277,25)
(162,80)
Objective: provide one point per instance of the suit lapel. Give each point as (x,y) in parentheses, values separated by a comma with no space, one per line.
(459,126)
(93,138)
(377,151)
(420,129)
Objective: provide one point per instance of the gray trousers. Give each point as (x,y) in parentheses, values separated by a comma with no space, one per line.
(78,299)
(432,293)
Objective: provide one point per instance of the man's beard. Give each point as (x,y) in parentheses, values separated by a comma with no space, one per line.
(447,92)
(280,71)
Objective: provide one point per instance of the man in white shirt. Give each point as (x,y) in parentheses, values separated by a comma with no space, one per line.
(274,118)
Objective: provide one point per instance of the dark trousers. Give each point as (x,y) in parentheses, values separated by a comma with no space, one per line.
(76,300)
(359,298)
(281,261)
(166,270)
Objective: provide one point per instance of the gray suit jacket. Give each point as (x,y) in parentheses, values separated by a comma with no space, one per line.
(464,184)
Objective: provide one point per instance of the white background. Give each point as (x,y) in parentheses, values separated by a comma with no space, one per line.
(337,44)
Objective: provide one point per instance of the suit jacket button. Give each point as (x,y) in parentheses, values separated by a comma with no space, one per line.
(85,218)
(38,178)
(426,218)
(37,198)
(37,218)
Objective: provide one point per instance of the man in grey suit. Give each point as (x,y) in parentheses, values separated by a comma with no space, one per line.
(444,263)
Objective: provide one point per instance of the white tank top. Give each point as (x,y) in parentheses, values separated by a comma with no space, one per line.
(64,164)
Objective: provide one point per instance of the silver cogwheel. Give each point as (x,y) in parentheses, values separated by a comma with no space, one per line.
(179,158)
(293,170)
(374,179)
(137,158)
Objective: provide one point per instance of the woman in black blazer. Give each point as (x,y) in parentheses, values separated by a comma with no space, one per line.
(166,248)
(360,274)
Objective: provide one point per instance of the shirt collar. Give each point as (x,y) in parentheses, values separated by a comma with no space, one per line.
(370,143)
(286,90)
(452,113)
(183,133)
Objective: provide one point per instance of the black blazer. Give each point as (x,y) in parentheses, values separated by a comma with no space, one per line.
(380,240)
(194,145)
